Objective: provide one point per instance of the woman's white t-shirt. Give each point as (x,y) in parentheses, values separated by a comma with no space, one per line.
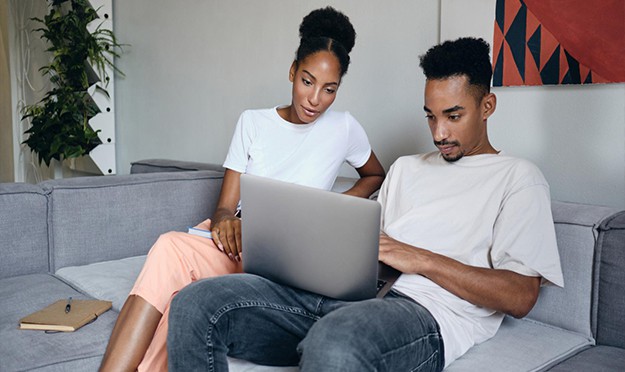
(266,145)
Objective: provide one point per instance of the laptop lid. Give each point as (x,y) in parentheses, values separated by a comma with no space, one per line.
(312,239)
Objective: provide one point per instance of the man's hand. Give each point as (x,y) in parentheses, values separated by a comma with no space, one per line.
(402,257)
(501,290)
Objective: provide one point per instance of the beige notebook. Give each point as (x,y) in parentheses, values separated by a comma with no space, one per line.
(56,318)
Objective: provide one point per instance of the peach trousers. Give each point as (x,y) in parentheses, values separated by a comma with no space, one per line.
(176,260)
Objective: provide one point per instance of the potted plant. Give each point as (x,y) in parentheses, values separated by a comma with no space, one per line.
(59,123)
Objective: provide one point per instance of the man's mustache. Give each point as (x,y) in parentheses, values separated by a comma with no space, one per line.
(445,143)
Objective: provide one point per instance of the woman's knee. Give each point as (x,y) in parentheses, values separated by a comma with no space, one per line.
(161,245)
(169,246)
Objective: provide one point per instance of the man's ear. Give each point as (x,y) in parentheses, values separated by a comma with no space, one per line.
(292,71)
(489,104)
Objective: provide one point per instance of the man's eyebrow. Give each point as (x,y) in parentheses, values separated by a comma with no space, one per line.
(445,111)
(453,109)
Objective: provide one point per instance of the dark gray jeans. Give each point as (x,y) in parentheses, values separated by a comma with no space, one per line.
(249,317)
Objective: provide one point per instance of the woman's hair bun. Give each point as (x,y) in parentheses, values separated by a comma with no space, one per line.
(330,23)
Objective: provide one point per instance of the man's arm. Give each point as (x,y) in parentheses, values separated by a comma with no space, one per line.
(500,290)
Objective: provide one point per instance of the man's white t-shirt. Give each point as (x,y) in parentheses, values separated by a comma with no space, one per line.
(491,211)
(266,145)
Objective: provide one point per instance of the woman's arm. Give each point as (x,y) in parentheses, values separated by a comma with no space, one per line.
(371,177)
(225,227)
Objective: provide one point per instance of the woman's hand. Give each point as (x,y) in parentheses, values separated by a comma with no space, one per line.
(227,236)
(225,227)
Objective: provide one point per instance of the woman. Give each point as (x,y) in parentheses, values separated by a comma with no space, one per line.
(302,143)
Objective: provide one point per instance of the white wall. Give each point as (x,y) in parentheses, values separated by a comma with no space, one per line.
(194,65)
(6,130)
(27,86)
(574,133)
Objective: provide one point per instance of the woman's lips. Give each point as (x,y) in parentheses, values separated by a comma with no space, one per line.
(310,112)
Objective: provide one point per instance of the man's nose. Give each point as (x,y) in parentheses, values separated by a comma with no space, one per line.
(440,132)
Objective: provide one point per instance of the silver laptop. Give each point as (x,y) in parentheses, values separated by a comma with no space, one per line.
(316,240)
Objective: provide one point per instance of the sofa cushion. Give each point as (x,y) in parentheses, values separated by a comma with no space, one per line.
(23,230)
(522,345)
(596,359)
(576,234)
(26,350)
(122,216)
(107,280)
(610,283)
(113,280)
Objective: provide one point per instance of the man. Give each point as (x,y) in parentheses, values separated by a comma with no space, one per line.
(470,229)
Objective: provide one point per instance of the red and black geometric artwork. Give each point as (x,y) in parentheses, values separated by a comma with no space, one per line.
(540,42)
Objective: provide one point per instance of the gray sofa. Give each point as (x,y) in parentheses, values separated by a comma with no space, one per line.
(87,237)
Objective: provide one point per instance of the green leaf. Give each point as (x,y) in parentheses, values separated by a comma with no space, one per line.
(59,127)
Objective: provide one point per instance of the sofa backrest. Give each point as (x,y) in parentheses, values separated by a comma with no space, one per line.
(609,291)
(576,232)
(95,219)
(167,165)
(23,230)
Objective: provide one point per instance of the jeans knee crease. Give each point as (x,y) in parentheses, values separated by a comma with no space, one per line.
(434,354)
(426,362)
(247,304)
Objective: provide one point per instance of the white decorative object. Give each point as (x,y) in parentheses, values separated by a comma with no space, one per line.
(104,155)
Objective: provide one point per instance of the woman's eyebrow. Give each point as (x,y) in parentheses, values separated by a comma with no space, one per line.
(315,79)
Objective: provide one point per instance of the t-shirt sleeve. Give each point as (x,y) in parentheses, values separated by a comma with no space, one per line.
(524,235)
(238,152)
(358,147)
(383,193)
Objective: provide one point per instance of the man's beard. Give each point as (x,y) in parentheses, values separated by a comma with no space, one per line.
(449,158)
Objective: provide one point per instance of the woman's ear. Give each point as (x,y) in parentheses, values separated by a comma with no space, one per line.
(489,104)
(292,71)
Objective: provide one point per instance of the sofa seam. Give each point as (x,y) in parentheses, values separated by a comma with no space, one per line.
(49,227)
(551,326)
(63,187)
(62,362)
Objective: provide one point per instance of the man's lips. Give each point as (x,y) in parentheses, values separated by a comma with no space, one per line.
(446,148)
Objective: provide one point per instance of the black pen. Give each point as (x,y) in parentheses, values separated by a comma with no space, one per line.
(68,307)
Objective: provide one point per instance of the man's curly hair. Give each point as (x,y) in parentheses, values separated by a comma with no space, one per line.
(466,56)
